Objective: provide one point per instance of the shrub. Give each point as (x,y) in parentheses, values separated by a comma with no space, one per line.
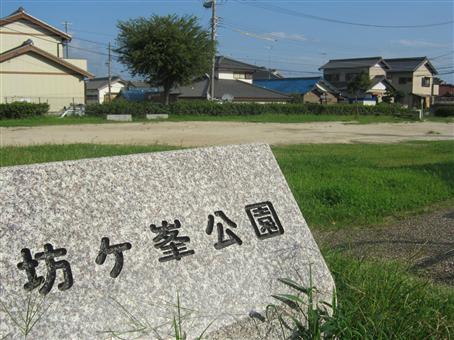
(22,110)
(136,109)
(443,110)
(206,108)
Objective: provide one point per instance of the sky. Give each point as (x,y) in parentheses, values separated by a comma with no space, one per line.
(295,37)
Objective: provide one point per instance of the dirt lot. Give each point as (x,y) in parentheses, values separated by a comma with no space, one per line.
(219,133)
(425,243)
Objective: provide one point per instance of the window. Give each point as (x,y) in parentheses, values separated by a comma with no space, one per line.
(332,77)
(351,76)
(405,80)
(425,81)
(239,75)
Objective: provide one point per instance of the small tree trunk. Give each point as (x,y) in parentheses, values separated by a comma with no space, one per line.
(167,94)
(357,108)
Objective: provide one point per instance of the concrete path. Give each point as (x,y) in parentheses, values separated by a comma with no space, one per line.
(219,133)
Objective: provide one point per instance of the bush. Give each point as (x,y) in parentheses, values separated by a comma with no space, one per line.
(206,108)
(443,110)
(22,110)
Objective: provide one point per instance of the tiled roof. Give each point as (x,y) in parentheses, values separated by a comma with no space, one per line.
(352,63)
(225,63)
(239,90)
(408,64)
(21,14)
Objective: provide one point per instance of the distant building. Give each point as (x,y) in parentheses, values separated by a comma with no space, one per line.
(340,72)
(233,82)
(312,89)
(97,89)
(415,78)
(231,69)
(33,67)
(230,90)
(446,90)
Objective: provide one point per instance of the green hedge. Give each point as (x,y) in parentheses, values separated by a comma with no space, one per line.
(22,110)
(140,109)
(443,110)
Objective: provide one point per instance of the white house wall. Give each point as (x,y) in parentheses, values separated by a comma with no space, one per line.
(34,79)
(15,33)
(115,89)
(229,76)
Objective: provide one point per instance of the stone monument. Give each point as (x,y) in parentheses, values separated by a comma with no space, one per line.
(105,247)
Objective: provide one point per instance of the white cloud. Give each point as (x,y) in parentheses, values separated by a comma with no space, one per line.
(286,36)
(421,43)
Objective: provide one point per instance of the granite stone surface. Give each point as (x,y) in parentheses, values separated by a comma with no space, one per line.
(237,191)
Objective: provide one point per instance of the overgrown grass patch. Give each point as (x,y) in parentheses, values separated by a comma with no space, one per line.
(343,185)
(379,300)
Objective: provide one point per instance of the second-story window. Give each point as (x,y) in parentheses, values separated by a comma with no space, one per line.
(425,81)
(405,80)
(332,77)
(351,76)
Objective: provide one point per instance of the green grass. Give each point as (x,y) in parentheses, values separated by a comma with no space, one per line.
(335,185)
(51,120)
(378,300)
(11,155)
(345,185)
(265,118)
(292,118)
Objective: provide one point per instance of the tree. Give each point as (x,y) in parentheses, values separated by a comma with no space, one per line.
(166,50)
(359,84)
(397,95)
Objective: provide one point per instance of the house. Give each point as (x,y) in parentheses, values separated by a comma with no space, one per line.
(446,90)
(231,69)
(414,77)
(233,82)
(97,89)
(230,90)
(312,89)
(33,67)
(340,72)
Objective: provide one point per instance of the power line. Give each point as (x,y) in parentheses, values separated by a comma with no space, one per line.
(91,41)
(281,10)
(69,46)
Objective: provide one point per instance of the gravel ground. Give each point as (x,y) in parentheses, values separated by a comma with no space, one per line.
(222,133)
(424,242)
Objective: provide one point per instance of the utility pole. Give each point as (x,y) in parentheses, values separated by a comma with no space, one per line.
(214,22)
(109,70)
(66,23)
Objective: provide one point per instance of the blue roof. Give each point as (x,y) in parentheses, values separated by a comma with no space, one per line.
(137,95)
(288,85)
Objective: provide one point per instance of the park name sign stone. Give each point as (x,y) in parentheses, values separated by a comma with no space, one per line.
(105,247)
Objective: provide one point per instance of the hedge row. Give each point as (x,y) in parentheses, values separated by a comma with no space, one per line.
(443,110)
(218,109)
(22,110)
